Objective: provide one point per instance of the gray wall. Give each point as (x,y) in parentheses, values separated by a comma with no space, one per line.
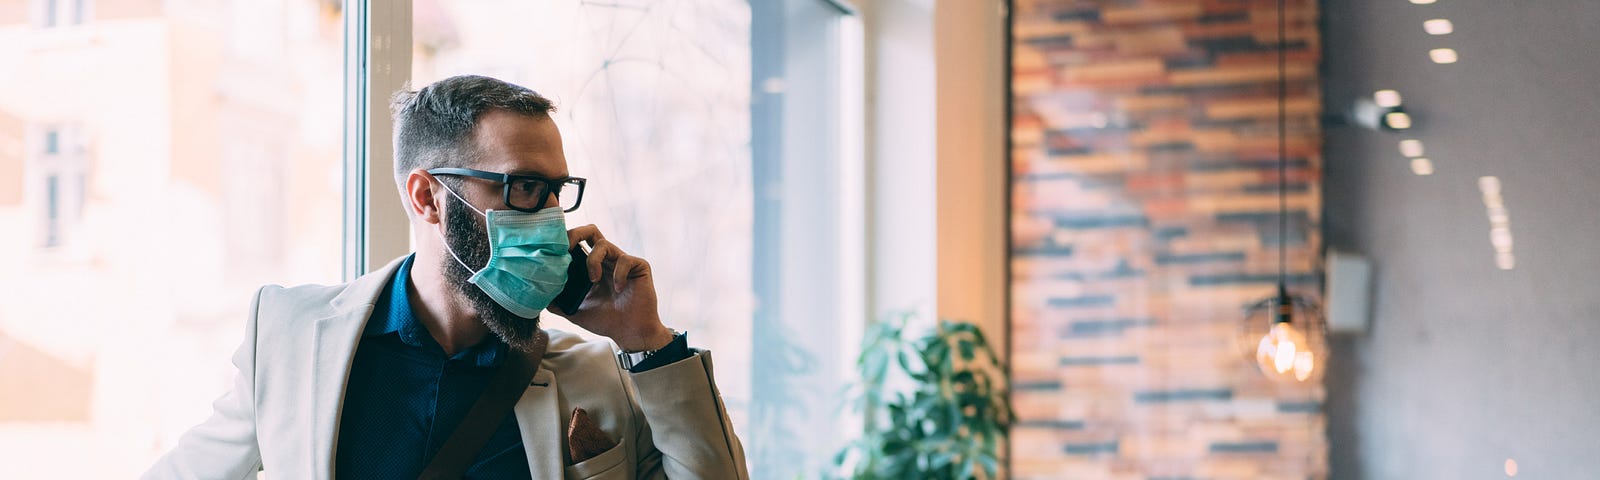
(1467,365)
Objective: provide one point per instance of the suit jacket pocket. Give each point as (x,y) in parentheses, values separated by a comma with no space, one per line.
(610,464)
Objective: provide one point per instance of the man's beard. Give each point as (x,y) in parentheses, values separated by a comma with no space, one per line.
(465,233)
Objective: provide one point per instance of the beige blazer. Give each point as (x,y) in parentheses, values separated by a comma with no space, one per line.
(282,413)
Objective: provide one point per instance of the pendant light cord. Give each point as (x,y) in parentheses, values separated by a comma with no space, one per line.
(1283,152)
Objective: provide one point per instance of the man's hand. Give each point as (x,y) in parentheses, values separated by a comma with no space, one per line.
(622,304)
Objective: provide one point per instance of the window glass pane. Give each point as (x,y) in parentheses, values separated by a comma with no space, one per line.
(801,312)
(654,109)
(154,171)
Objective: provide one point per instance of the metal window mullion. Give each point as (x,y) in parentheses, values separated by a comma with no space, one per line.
(377,50)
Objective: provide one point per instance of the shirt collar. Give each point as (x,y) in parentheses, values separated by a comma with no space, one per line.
(393,314)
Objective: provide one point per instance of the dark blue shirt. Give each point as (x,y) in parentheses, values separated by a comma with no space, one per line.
(405,396)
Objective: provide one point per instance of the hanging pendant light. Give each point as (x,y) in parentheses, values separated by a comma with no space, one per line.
(1286,337)
(1285,334)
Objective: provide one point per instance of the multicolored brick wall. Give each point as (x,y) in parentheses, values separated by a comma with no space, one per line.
(1144,219)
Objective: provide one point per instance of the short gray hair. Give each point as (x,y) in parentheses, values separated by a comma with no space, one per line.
(433,126)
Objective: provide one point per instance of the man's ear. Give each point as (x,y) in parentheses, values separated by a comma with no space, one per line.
(421,200)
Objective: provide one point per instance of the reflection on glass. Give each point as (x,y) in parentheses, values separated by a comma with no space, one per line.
(158,162)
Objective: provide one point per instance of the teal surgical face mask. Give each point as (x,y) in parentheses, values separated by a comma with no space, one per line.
(528,258)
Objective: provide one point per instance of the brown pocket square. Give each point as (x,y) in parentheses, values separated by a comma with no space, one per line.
(584,438)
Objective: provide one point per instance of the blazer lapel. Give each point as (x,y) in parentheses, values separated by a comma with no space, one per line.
(335,341)
(539,417)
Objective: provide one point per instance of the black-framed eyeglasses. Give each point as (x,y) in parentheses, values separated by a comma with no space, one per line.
(528,193)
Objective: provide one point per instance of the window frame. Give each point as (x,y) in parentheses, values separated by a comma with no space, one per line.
(377,60)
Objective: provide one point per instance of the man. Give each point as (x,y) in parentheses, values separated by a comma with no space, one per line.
(370,379)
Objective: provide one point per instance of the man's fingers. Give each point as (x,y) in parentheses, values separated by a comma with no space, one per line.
(628,267)
(587,232)
(604,251)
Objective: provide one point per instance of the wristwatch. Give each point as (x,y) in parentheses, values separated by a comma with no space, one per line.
(631,359)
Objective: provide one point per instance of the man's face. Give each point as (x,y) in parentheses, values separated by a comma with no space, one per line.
(507,143)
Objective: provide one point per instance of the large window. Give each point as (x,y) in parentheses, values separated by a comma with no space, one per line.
(710,131)
(161,160)
(158,162)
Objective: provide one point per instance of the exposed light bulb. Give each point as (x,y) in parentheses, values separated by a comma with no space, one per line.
(1303,365)
(1281,350)
(1284,359)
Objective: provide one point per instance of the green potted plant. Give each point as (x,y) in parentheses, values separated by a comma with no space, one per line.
(934,406)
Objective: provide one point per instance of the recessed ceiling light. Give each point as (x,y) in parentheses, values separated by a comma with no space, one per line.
(1500,236)
(1438,26)
(1411,148)
(1421,166)
(1397,120)
(1489,185)
(1500,239)
(1422,2)
(1386,98)
(1443,55)
(1507,261)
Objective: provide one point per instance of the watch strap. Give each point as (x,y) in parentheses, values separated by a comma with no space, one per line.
(677,349)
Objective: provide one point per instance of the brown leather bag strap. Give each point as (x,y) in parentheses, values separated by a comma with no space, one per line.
(491,408)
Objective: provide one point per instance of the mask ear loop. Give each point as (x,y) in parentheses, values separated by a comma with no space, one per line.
(463,200)
(446,243)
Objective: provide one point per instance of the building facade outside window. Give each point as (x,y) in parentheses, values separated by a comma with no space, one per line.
(153,178)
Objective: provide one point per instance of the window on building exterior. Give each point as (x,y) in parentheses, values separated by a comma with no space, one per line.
(61,13)
(56,175)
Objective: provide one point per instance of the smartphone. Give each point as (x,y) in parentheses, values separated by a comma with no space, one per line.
(578,283)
